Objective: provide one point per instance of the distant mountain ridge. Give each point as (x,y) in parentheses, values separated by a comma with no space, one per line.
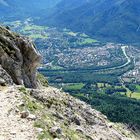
(3,2)
(19,9)
(115,20)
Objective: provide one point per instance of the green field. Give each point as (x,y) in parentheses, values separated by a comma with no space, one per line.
(76,86)
(72,33)
(135,95)
(138,88)
(100,88)
(87,41)
(83,35)
(34,31)
(34,27)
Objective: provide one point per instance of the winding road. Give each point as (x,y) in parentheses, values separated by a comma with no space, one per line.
(127,57)
(121,66)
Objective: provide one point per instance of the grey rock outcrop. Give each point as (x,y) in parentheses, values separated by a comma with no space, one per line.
(19,58)
(4,76)
(2,82)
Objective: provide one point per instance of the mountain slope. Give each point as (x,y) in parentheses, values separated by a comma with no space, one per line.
(18,9)
(115,20)
(49,113)
(45,113)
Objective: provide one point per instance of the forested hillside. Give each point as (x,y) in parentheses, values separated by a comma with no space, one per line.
(115,20)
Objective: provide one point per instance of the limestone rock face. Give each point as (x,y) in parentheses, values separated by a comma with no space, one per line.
(19,58)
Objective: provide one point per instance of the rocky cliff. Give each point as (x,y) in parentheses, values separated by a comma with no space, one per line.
(19,58)
(46,113)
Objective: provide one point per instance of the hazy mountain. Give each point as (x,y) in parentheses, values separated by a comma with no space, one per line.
(4,3)
(16,9)
(115,20)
